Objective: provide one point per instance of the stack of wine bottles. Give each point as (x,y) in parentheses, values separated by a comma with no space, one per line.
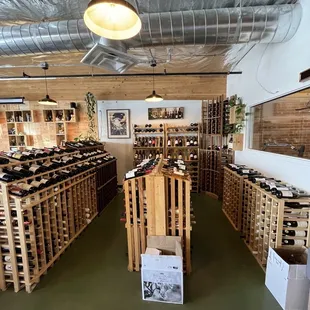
(274,213)
(45,203)
(157,202)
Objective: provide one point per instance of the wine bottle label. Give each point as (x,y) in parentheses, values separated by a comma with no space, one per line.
(34,168)
(65,171)
(300,233)
(302,224)
(43,181)
(35,183)
(17,168)
(24,186)
(79,156)
(2,175)
(286,193)
(26,153)
(245,171)
(17,156)
(130,174)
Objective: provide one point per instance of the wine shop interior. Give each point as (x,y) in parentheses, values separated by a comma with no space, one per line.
(154,152)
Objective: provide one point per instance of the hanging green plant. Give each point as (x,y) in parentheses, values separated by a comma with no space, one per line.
(91,104)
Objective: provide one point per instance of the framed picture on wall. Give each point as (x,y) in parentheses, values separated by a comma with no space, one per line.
(118,122)
(166,113)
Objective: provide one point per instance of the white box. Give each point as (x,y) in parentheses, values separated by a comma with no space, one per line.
(162,275)
(288,283)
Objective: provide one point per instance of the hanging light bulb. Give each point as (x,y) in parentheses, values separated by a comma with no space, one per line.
(153,97)
(47,100)
(112,19)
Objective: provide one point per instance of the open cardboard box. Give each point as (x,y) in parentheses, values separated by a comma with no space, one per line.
(162,270)
(286,280)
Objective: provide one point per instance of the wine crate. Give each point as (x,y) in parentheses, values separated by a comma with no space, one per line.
(265,215)
(40,226)
(233,197)
(157,205)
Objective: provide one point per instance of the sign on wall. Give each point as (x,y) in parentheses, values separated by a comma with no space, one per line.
(118,122)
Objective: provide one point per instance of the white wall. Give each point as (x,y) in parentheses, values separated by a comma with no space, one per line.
(276,67)
(122,148)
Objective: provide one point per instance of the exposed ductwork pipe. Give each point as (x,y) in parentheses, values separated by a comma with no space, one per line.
(35,11)
(268,24)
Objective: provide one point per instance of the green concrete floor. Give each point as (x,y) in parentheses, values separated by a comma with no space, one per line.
(92,274)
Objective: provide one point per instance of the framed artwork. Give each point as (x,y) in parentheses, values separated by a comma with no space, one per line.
(118,124)
(166,113)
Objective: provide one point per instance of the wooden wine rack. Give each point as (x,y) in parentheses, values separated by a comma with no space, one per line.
(264,215)
(157,205)
(139,132)
(233,197)
(192,165)
(45,225)
(213,160)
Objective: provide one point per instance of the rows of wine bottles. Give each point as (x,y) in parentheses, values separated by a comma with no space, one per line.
(42,210)
(269,216)
(172,142)
(157,203)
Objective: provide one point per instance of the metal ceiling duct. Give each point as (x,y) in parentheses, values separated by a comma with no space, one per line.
(268,24)
(35,11)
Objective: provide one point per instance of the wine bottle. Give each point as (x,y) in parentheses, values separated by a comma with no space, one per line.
(4,161)
(294,242)
(27,187)
(24,172)
(6,177)
(302,224)
(295,233)
(297,205)
(290,194)
(37,185)
(17,191)
(37,169)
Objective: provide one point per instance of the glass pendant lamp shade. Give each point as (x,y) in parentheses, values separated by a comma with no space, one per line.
(154,97)
(112,19)
(47,101)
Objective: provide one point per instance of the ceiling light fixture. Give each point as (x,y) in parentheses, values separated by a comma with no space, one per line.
(154,97)
(47,100)
(112,19)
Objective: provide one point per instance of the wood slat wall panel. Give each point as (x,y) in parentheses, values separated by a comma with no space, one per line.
(120,88)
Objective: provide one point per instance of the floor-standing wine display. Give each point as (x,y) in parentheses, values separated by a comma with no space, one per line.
(182,143)
(106,175)
(214,151)
(233,197)
(157,204)
(148,141)
(273,222)
(44,205)
(269,213)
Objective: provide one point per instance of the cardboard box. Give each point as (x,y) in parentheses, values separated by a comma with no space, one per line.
(288,282)
(162,274)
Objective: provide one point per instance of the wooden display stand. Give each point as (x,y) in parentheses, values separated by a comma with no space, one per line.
(157,204)
(61,118)
(40,227)
(263,221)
(233,197)
(16,121)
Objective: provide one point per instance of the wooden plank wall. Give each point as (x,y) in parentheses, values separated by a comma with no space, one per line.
(116,88)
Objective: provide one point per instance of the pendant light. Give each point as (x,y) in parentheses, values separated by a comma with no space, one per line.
(153,97)
(112,19)
(47,100)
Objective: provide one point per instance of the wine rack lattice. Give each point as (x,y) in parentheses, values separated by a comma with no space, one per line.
(157,204)
(233,197)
